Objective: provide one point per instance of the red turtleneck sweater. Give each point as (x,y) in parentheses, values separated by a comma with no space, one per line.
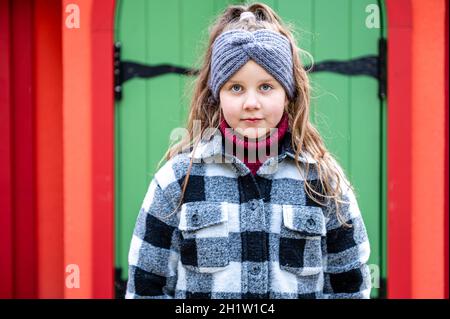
(254,145)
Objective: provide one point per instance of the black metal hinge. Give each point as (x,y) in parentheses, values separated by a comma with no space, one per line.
(371,65)
(382,68)
(126,70)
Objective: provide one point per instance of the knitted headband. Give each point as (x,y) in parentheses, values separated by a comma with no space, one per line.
(232,49)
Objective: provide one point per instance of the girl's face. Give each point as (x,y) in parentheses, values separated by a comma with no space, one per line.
(252,93)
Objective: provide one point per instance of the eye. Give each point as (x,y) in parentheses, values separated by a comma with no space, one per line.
(234,86)
(266,87)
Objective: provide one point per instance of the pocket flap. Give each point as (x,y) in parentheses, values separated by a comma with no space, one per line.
(308,220)
(197,215)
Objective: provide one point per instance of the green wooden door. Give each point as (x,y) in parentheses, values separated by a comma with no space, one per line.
(346,109)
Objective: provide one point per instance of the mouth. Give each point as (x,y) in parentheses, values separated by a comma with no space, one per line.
(252,120)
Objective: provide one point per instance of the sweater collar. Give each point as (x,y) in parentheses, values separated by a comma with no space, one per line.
(252,144)
(213,147)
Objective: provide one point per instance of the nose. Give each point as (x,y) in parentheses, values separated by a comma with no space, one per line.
(251,101)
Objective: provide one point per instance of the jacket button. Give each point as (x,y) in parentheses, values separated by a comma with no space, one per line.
(194,218)
(254,204)
(310,223)
(255,269)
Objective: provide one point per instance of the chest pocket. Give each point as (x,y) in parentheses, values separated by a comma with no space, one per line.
(204,228)
(300,249)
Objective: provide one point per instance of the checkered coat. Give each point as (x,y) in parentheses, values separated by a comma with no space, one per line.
(242,236)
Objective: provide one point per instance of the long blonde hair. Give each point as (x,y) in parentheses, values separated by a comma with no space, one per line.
(305,137)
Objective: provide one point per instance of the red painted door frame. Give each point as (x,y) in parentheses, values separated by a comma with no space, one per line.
(17,185)
(103,16)
(88,117)
(48,158)
(6,156)
(446,172)
(22,88)
(399,259)
(417,149)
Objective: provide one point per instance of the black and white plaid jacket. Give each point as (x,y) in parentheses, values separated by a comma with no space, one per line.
(242,236)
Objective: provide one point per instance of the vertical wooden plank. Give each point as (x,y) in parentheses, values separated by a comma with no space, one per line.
(193,35)
(48,116)
(131,123)
(117,228)
(332,90)
(384,164)
(163,92)
(220,5)
(399,148)
(446,161)
(300,14)
(428,134)
(23,169)
(271,3)
(102,148)
(365,133)
(77,150)
(6,155)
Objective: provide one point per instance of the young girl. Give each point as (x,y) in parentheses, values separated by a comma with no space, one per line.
(219,219)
